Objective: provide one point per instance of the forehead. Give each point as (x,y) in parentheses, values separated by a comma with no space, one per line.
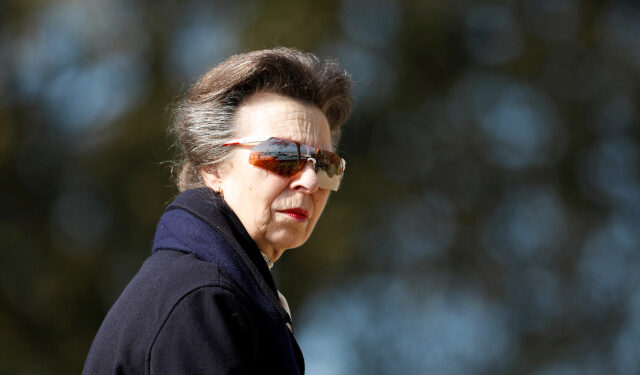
(274,115)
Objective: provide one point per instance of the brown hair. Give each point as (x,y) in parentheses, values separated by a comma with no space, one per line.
(203,121)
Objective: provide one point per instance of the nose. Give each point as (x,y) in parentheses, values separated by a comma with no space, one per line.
(307,179)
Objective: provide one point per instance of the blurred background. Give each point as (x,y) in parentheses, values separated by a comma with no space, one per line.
(485,224)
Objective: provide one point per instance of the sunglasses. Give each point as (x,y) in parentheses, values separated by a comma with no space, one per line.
(287,158)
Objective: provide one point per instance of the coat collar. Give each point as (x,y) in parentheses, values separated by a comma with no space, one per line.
(200,222)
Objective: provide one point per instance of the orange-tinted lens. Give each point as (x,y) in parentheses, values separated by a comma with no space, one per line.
(279,156)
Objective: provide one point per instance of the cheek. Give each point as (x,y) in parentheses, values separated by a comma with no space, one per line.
(319,201)
(268,193)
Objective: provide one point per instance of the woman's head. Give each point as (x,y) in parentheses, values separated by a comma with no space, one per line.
(204,120)
(278,93)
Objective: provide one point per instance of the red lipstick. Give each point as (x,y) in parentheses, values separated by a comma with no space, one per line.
(296,213)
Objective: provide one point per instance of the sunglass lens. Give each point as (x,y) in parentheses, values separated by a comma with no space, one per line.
(281,167)
(329,169)
(277,155)
(329,162)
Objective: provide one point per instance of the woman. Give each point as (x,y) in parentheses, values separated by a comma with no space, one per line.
(257,135)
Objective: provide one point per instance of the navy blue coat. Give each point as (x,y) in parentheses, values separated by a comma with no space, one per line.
(204,302)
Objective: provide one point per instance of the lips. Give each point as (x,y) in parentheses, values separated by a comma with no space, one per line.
(296,213)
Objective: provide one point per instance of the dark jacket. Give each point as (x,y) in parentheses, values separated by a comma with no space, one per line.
(204,302)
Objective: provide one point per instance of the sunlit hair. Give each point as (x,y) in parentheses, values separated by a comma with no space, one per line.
(203,121)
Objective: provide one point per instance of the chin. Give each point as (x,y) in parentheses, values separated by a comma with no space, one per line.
(290,241)
(292,244)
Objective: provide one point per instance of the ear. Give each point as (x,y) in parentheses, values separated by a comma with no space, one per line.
(211,179)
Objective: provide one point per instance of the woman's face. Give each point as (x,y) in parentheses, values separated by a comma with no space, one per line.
(278,212)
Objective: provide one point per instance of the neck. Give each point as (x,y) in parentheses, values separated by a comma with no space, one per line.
(272,253)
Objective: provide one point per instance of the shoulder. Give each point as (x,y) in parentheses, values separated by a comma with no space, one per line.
(164,266)
(189,287)
(172,293)
(168,278)
(208,323)
(211,328)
